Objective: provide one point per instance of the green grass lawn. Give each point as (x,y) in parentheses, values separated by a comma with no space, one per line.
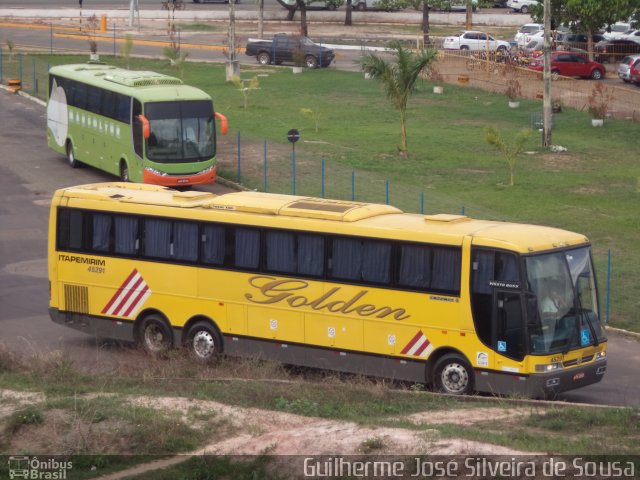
(593,188)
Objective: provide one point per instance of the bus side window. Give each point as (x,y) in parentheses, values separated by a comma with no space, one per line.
(157,238)
(185,241)
(213,244)
(101,234)
(126,235)
(247,248)
(415,267)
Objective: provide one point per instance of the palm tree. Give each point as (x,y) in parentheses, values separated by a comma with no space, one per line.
(398,78)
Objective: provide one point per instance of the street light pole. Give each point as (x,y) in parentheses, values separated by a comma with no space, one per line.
(546,78)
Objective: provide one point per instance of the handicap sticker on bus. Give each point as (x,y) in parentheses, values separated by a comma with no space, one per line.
(585,337)
(502,346)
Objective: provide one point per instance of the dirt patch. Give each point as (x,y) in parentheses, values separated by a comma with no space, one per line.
(464,417)
(561,161)
(278,433)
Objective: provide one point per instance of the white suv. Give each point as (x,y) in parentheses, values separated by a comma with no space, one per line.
(526,31)
(472,40)
(521,6)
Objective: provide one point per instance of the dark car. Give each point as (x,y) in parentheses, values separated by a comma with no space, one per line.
(576,40)
(570,64)
(611,51)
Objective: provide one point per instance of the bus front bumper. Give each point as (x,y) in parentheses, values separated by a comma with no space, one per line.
(201,178)
(541,385)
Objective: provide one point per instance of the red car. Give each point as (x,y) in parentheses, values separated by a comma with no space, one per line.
(571,64)
(634,73)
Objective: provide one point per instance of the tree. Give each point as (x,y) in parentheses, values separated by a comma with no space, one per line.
(398,78)
(509,152)
(587,16)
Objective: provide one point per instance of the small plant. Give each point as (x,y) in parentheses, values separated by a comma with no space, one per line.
(297,55)
(313,115)
(93,46)
(599,101)
(434,74)
(513,90)
(371,444)
(10,46)
(510,152)
(27,416)
(245,87)
(126,49)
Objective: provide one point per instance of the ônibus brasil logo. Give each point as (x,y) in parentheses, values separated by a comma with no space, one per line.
(34,469)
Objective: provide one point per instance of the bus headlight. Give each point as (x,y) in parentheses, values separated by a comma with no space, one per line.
(206,170)
(550,367)
(156,172)
(600,356)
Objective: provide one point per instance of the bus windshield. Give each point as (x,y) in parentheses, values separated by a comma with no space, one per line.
(180,131)
(565,313)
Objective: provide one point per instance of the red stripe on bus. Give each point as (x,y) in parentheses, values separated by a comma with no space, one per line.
(413,341)
(117,294)
(423,347)
(134,304)
(130,292)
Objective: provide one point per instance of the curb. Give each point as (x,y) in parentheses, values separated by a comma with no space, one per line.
(626,333)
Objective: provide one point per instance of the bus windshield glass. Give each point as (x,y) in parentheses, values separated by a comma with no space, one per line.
(180,131)
(565,313)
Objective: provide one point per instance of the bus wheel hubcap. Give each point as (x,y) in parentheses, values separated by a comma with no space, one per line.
(454,378)
(203,344)
(154,338)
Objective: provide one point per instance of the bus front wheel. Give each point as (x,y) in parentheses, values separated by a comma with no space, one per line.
(71,158)
(203,342)
(453,375)
(124,172)
(155,335)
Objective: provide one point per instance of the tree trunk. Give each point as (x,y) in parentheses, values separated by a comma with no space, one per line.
(425,23)
(260,19)
(304,31)
(403,135)
(347,18)
(469,22)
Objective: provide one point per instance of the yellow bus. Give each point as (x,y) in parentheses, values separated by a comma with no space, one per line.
(461,304)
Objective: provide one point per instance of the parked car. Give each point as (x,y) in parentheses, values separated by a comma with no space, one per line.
(624,69)
(631,35)
(472,40)
(568,40)
(285,48)
(634,74)
(570,64)
(617,30)
(522,6)
(611,51)
(526,31)
(539,35)
(535,45)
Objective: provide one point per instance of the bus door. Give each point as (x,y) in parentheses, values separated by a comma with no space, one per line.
(508,324)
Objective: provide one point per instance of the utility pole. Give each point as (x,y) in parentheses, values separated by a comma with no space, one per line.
(134,9)
(546,78)
(469,22)
(233,65)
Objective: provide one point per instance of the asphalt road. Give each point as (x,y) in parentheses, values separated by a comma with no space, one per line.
(29,174)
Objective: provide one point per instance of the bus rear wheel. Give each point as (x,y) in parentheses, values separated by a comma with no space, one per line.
(203,342)
(71,158)
(155,335)
(453,375)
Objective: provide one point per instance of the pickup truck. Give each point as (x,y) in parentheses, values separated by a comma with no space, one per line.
(288,48)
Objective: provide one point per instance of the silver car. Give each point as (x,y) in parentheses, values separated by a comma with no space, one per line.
(624,69)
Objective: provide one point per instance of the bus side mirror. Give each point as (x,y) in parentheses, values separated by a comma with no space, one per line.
(146,129)
(224,125)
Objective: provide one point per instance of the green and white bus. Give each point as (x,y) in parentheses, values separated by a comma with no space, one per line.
(141,126)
